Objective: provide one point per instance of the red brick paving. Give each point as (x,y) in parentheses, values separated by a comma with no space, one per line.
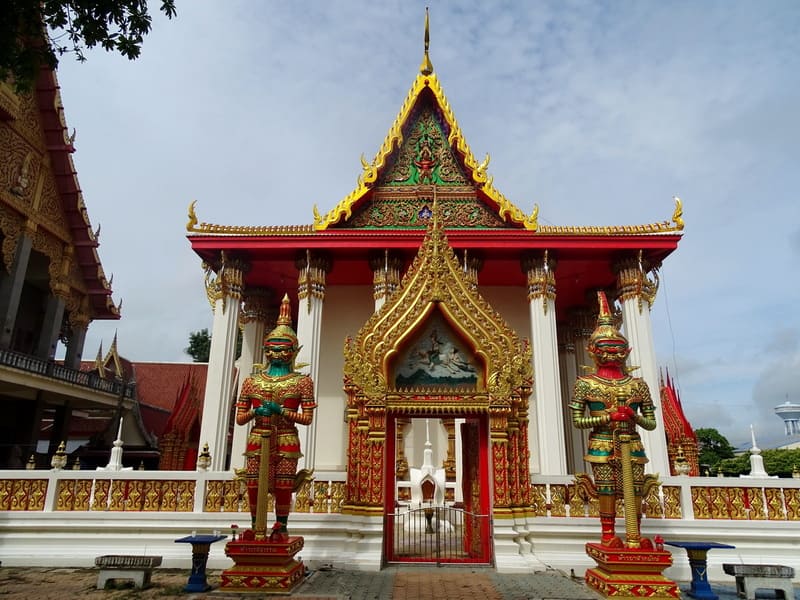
(451,586)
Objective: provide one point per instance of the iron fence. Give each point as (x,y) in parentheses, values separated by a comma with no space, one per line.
(438,534)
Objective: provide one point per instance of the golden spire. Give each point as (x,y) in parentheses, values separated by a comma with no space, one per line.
(426,68)
(285,313)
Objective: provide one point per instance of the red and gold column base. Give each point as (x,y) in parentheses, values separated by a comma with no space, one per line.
(630,572)
(264,566)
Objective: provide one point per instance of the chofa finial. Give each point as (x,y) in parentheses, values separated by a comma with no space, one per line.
(426,68)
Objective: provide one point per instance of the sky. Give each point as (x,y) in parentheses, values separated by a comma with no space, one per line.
(599,112)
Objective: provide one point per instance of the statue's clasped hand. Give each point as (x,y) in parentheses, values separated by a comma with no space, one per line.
(267,409)
(622,413)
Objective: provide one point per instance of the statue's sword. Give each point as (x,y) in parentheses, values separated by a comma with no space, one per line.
(263,487)
(632,536)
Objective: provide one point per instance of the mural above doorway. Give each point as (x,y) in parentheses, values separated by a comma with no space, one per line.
(437,358)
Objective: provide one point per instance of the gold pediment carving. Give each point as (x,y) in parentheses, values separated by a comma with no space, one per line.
(435,298)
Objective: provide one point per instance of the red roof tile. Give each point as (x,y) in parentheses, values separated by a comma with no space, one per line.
(159,384)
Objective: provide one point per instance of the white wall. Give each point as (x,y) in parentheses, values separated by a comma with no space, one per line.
(512,304)
(346,310)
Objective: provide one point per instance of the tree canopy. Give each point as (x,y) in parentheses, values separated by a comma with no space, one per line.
(34,33)
(778,461)
(713,447)
(199,345)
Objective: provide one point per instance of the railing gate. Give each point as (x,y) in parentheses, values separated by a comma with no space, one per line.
(438,534)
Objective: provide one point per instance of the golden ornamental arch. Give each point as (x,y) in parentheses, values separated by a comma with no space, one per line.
(436,287)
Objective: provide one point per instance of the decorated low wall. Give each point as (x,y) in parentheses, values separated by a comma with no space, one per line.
(67,518)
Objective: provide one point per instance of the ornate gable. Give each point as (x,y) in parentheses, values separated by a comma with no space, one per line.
(424,147)
(424,156)
(437,322)
(403,194)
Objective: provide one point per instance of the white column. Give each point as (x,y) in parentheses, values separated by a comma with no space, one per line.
(224,291)
(569,373)
(311,293)
(582,322)
(637,292)
(546,432)
(459,493)
(256,316)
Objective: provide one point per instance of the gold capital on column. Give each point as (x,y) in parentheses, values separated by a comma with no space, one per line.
(540,270)
(386,268)
(79,320)
(471,263)
(634,280)
(225,279)
(312,268)
(256,305)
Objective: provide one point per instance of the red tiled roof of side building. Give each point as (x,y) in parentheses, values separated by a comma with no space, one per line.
(158,384)
(154,419)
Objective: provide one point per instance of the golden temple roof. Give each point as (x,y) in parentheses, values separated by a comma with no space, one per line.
(426,79)
(426,82)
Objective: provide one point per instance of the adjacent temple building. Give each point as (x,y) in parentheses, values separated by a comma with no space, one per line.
(443,328)
(52,284)
(52,287)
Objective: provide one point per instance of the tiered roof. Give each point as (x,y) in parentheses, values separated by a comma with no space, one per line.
(426,157)
(424,150)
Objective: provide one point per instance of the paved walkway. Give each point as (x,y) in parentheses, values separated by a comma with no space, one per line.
(406,583)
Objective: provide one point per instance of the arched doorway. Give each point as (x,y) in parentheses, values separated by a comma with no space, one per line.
(431,515)
(438,350)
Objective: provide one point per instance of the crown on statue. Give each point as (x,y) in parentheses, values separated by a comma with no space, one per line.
(283,330)
(606,332)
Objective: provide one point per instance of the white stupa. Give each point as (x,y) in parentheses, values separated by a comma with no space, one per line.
(115,462)
(756,461)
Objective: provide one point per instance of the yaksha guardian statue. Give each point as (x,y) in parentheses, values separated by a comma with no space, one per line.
(617,402)
(276,398)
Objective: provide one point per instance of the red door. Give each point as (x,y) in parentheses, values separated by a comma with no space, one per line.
(475,486)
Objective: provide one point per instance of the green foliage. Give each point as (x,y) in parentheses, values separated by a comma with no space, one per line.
(733,467)
(199,345)
(776,462)
(713,447)
(34,33)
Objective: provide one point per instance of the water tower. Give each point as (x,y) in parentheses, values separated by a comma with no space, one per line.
(790,413)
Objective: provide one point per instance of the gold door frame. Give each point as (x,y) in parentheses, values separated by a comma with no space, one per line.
(435,287)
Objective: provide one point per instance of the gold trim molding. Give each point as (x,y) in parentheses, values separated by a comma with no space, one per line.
(196,226)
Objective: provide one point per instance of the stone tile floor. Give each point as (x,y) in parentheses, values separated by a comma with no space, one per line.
(398,583)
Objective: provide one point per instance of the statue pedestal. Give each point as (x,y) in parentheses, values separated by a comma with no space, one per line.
(263,566)
(630,572)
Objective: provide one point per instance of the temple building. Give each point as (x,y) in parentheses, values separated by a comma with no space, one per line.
(52,284)
(427,295)
(443,329)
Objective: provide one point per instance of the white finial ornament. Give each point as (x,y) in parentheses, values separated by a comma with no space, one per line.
(115,462)
(756,461)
